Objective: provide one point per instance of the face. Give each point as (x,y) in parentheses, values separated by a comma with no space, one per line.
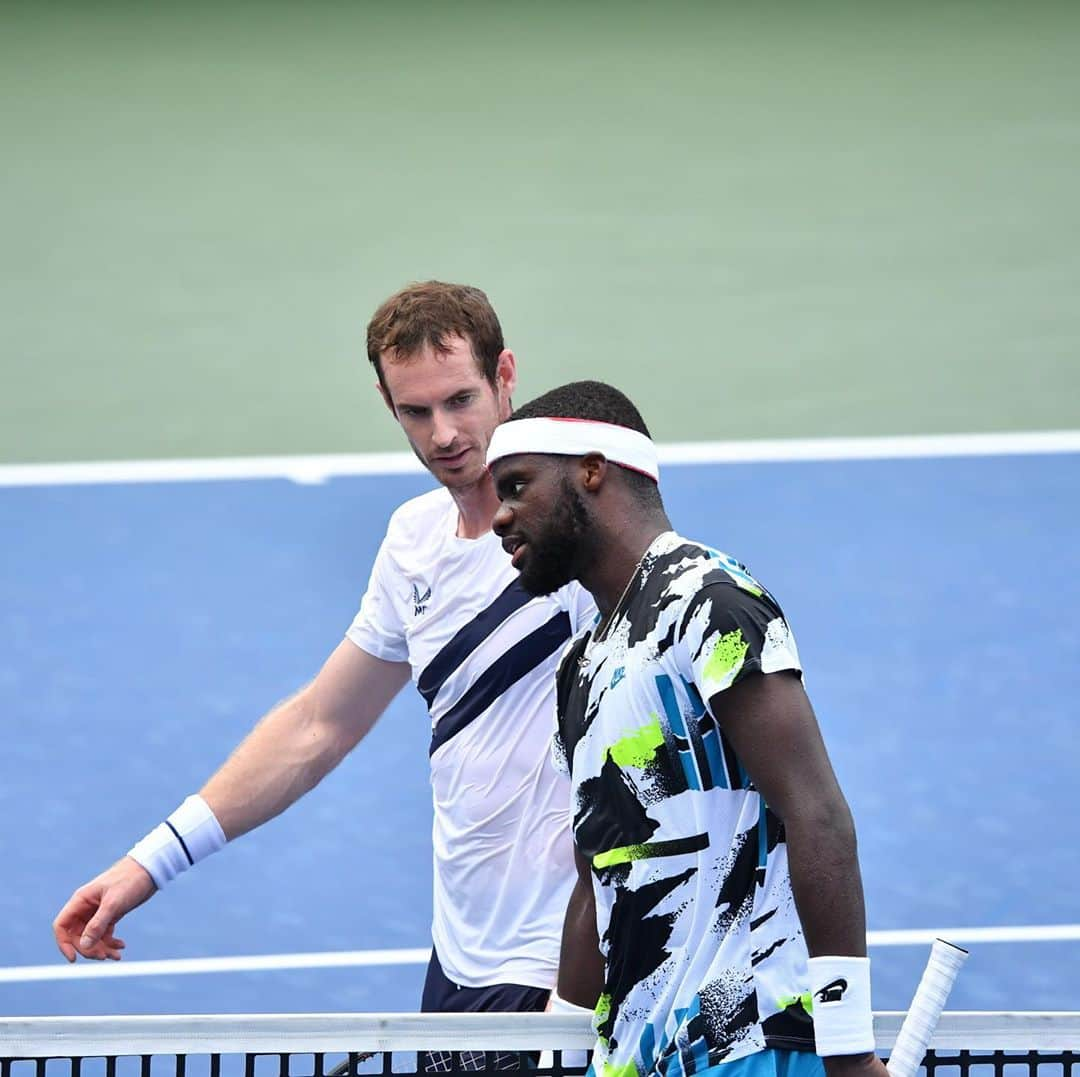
(448,409)
(542,520)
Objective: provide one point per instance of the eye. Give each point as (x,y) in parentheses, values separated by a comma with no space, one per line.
(461,400)
(510,489)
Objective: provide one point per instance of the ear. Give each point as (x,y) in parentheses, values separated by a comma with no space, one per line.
(505,379)
(594,469)
(386,398)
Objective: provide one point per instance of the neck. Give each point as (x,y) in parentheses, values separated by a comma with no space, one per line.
(620,554)
(477,505)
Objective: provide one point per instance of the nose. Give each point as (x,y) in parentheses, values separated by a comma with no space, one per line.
(443,432)
(501,521)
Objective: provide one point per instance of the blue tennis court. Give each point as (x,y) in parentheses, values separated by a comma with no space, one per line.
(144,628)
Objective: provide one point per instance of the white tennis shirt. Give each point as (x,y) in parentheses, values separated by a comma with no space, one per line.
(483,655)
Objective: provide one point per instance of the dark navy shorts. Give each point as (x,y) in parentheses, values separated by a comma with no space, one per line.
(443,996)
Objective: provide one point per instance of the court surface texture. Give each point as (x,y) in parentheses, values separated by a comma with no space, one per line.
(145,626)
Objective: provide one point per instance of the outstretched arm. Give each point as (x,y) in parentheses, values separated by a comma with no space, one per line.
(299,742)
(293,748)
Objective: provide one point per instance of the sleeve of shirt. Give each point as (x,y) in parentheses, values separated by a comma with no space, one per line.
(728,633)
(558,753)
(579,606)
(378,627)
(560,757)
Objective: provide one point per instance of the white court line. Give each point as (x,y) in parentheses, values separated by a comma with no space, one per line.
(361,958)
(920,936)
(317,469)
(187,965)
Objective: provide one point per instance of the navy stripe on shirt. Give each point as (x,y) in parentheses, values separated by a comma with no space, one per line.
(519,661)
(468,638)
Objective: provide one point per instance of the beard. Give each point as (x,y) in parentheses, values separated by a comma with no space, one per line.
(557,551)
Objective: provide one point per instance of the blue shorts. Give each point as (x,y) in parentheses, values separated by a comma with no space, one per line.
(772,1062)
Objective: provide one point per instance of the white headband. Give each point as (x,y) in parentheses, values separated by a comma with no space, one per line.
(575,437)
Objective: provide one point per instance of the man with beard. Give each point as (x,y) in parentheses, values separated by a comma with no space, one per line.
(443,605)
(710,832)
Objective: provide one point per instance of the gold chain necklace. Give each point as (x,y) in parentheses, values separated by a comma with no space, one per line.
(586,656)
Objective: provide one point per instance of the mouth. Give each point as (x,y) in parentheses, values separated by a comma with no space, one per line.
(453,460)
(514,547)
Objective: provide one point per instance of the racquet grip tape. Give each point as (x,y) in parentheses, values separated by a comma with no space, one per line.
(916,1032)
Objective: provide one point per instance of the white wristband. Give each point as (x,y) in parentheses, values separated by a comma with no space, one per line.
(189,835)
(558,1004)
(570,1058)
(843,1017)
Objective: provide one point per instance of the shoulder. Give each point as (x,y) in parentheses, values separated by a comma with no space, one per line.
(726,624)
(420,519)
(688,575)
(578,603)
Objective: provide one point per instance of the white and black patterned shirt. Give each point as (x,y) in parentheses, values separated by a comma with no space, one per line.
(704,953)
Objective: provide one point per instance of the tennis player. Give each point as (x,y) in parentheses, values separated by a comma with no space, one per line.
(443,606)
(712,838)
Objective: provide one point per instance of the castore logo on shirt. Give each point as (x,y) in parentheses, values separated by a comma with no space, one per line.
(420,601)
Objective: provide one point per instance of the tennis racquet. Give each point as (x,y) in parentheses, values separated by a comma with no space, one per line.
(915,1033)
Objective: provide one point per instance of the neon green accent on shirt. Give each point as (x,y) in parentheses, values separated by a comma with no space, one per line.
(746,585)
(638,749)
(806,1000)
(627,1069)
(600,1015)
(726,659)
(623,855)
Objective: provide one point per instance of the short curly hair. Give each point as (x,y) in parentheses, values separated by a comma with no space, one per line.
(427,314)
(594,400)
(600,402)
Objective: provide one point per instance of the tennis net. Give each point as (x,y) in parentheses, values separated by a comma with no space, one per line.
(971,1044)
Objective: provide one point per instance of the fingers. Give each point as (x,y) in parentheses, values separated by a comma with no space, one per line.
(101,947)
(63,937)
(112,946)
(86,924)
(97,938)
(107,948)
(71,921)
